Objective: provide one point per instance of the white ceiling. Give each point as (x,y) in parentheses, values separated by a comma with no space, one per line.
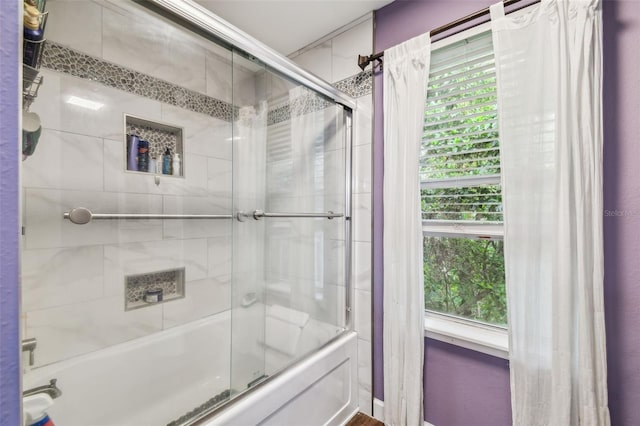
(289,25)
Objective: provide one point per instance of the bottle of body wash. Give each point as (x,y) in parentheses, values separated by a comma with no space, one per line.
(166,162)
(176,164)
(132,152)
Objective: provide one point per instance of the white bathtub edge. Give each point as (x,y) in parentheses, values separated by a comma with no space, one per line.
(276,394)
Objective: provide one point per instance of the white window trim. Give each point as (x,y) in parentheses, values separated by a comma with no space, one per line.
(478,337)
(473,335)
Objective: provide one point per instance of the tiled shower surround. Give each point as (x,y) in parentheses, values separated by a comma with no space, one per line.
(73,276)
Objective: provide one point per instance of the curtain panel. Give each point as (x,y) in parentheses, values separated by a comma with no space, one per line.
(549,73)
(405,91)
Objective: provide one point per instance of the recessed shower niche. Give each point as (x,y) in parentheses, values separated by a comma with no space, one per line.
(153,147)
(154,287)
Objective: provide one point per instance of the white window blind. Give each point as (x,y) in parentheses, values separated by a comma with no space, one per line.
(460,158)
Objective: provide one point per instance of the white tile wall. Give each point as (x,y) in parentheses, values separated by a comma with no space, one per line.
(363,120)
(219,84)
(318,60)
(107,122)
(364,376)
(203,134)
(347,46)
(56,277)
(65,161)
(154,48)
(362,217)
(362,169)
(121,260)
(76,24)
(362,265)
(73,275)
(203,298)
(70,330)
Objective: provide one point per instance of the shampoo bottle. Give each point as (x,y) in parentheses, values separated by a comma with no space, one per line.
(132,152)
(166,162)
(176,164)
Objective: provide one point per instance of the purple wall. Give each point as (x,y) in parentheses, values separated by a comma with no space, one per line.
(457,380)
(463,386)
(621,96)
(9,261)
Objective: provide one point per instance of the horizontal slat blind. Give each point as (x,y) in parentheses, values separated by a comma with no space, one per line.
(460,155)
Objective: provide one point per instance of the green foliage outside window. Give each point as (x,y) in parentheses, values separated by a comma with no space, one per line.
(465,277)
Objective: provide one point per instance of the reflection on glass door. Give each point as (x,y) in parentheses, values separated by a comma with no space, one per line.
(290,166)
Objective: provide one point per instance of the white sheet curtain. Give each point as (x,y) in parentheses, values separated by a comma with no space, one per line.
(548,62)
(405,90)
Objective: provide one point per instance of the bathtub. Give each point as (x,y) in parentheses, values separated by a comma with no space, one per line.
(158,378)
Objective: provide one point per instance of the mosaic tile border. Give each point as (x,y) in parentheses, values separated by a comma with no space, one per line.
(63,59)
(357,85)
(60,58)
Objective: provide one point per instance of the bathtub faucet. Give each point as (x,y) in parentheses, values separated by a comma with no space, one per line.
(51,389)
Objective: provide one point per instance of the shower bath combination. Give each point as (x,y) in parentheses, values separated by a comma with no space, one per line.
(228,278)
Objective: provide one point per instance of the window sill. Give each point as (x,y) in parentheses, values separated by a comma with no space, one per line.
(477,337)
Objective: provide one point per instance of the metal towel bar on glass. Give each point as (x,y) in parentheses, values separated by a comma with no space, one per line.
(258,214)
(82,215)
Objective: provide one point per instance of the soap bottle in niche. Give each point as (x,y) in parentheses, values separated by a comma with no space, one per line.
(166,162)
(176,164)
(143,156)
(132,152)
(153,165)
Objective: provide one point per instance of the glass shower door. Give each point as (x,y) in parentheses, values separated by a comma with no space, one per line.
(290,164)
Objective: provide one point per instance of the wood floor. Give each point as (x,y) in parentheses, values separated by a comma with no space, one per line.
(364,420)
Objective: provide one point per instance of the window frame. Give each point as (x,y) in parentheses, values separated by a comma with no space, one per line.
(475,335)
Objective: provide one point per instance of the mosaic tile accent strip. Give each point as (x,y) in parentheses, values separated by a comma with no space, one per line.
(62,59)
(306,103)
(278,115)
(208,406)
(171,282)
(59,58)
(357,85)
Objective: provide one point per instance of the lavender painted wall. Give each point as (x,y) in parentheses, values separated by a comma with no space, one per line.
(445,395)
(621,97)
(9,261)
(457,380)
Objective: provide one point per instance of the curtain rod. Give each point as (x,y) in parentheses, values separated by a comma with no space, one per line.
(364,61)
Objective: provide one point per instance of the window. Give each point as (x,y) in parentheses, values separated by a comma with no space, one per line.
(460,182)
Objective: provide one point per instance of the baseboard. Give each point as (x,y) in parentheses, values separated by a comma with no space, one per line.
(378,411)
